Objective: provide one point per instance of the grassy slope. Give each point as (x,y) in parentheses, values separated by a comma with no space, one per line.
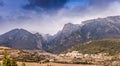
(111,46)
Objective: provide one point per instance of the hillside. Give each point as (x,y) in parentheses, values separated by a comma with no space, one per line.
(95,29)
(111,46)
(26,55)
(21,39)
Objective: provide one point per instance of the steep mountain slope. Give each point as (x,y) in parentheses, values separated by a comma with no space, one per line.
(70,35)
(58,39)
(67,30)
(96,29)
(101,28)
(21,39)
(111,46)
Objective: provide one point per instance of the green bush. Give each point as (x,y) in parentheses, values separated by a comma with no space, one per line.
(81,62)
(110,46)
(7,61)
(23,64)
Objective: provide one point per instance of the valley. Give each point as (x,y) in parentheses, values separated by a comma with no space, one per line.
(94,42)
(27,55)
(90,53)
(59,32)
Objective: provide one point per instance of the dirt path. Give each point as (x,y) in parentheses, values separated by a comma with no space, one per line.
(53,64)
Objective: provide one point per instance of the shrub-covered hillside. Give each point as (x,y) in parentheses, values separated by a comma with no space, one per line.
(111,46)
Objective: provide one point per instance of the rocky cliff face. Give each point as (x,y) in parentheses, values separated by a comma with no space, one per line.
(101,28)
(96,29)
(21,39)
(58,39)
(70,35)
(67,30)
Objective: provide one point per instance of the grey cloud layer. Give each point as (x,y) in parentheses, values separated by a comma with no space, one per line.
(45,4)
(58,4)
(1,3)
(13,15)
(101,3)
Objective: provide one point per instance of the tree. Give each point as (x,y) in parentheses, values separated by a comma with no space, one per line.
(7,61)
(23,64)
(13,62)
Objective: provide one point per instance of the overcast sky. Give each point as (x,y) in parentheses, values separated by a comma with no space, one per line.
(49,16)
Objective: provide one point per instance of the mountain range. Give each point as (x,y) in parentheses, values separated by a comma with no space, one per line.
(70,35)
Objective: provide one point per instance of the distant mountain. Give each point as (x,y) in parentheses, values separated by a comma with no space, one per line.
(47,37)
(67,30)
(39,41)
(62,35)
(101,28)
(111,46)
(70,35)
(95,29)
(21,39)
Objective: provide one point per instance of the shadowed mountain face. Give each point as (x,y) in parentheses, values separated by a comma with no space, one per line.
(61,38)
(21,39)
(96,29)
(72,34)
(101,28)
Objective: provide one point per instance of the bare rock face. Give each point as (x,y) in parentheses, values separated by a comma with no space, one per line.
(70,35)
(96,29)
(101,28)
(39,41)
(67,30)
(61,38)
(20,39)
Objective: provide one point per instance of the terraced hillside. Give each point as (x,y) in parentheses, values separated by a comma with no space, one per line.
(24,55)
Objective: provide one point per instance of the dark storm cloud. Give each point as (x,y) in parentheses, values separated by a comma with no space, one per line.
(58,4)
(52,14)
(45,4)
(1,3)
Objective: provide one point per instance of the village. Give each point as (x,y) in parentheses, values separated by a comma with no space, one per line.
(76,54)
(100,58)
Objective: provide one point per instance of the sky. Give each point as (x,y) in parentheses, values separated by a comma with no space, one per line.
(49,16)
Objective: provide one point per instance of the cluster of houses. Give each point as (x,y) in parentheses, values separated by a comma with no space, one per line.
(76,54)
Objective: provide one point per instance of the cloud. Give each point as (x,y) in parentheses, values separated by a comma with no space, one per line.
(45,4)
(1,3)
(63,11)
(58,4)
(101,4)
(85,5)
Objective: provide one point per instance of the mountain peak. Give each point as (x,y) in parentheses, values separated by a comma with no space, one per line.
(112,19)
(70,27)
(68,24)
(21,39)
(20,32)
